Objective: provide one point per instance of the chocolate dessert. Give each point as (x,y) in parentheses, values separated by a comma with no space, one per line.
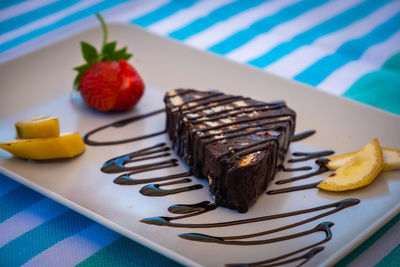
(236,142)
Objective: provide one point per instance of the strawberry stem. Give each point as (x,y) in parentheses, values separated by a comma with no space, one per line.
(105,31)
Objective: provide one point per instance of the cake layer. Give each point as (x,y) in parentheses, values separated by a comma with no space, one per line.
(236,142)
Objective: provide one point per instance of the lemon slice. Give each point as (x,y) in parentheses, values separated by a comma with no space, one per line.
(358,172)
(37,127)
(391,158)
(63,146)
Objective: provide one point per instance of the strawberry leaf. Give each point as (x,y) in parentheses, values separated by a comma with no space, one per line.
(122,54)
(77,80)
(81,70)
(89,52)
(108,51)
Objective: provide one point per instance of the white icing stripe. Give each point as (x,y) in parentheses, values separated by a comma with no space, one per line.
(46,20)
(186,16)
(286,31)
(295,62)
(22,8)
(76,248)
(28,219)
(340,80)
(241,21)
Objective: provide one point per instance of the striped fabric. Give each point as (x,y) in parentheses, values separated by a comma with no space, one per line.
(344,47)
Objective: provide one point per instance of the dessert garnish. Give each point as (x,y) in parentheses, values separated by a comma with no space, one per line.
(107,82)
(358,171)
(391,158)
(64,146)
(37,127)
(39,139)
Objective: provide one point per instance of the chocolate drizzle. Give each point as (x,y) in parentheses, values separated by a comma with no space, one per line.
(122,123)
(303,135)
(303,156)
(126,179)
(320,170)
(154,190)
(166,221)
(324,227)
(190,208)
(293,188)
(117,164)
(275,261)
(304,168)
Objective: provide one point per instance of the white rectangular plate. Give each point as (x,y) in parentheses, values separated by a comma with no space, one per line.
(41,83)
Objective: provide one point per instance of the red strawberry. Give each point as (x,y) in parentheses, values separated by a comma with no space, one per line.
(107,82)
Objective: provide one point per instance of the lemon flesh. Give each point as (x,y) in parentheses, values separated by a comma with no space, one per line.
(391,159)
(357,172)
(37,127)
(63,146)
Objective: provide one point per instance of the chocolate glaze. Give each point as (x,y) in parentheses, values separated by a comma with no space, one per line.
(154,190)
(325,227)
(166,221)
(308,175)
(275,261)
(302,135)
(303,156)
(293,188)
(121,123)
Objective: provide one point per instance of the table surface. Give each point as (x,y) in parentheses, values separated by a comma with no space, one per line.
(344,47)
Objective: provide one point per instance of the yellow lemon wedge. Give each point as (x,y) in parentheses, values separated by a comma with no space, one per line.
(391,159)
(37,127)
(63,146)
(358,172)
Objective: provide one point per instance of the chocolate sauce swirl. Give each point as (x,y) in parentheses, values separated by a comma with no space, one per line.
(190,208)
(304,168)
(154,190)
(303,156)
(303,135)
(126,179)
(117,164)
(324,227)
(337,206)
(293,188)
(275,261)
(122,123)
(320,170)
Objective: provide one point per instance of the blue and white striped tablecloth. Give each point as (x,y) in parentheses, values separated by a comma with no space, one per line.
(344,47)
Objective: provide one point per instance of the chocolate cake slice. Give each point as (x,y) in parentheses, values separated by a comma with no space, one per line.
(236,142)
